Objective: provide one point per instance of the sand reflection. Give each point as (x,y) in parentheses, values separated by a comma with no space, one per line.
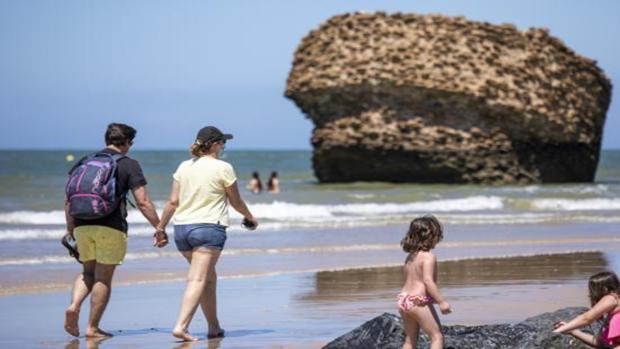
(336,285)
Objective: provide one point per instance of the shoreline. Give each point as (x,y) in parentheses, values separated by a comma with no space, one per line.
(179,276)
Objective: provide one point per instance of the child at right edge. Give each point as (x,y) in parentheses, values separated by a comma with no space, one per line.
(604,290)
(420,291)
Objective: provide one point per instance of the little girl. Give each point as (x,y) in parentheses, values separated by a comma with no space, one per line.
(415,302)
(605,301)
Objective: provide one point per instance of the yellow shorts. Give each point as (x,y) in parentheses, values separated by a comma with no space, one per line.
(102,244)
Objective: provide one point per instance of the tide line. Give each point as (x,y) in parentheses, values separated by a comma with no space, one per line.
(328,249)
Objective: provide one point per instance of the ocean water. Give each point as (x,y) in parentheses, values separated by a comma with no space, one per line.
(338,221)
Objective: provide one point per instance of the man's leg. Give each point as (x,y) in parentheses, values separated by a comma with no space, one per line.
(101,291)
(81,288)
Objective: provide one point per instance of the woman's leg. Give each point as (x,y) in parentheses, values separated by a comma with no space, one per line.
(429,322)
(208,300)
(202,260)
(412,329)
(208,303)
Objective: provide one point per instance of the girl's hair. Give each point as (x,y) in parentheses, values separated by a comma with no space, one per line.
(423,235)
(602,284)
(198,148)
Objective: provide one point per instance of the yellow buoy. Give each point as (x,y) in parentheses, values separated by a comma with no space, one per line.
(70,157)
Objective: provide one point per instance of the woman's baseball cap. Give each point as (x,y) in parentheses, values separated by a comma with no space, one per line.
(211,134)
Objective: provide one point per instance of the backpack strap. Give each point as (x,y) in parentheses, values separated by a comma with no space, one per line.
(81,161)
(117,157)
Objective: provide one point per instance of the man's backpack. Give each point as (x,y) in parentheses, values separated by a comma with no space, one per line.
(91,187)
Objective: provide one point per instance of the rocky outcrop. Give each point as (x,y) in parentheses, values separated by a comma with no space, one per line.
(429,98)
(386,331)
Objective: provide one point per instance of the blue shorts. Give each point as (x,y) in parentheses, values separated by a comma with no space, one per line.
(190,236)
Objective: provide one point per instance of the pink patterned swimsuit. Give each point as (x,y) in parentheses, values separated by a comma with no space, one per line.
(407,302)
(611,332)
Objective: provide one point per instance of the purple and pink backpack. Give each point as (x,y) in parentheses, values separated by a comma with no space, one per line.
(91,188)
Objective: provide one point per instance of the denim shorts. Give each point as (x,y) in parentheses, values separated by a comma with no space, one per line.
(190,236)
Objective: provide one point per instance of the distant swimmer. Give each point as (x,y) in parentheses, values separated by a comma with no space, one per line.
(273,184)
(255,185)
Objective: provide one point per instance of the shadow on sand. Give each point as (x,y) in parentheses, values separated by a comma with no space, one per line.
(93,343)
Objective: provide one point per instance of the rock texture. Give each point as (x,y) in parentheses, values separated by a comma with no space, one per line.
(429,98)
(386,332)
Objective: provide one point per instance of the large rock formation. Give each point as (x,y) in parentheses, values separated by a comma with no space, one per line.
(428,98)
(386,332)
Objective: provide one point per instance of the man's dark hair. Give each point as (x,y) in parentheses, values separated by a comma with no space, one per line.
(119,134)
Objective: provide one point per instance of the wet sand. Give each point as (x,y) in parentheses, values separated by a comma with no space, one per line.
(312,250)
(306,310)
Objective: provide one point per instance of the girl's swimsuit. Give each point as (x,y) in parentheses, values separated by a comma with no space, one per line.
(407,302)
(611,332)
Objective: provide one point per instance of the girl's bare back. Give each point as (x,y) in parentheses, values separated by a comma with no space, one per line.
(414,274)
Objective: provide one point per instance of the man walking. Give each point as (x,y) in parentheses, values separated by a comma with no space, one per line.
(95,210)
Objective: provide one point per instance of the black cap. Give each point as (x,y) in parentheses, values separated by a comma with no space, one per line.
(211,134)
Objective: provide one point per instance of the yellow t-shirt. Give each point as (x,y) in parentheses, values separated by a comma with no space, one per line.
(202,197)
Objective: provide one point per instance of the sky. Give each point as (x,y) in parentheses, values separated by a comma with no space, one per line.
(70,67)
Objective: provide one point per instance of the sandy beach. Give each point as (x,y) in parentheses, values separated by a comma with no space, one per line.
(307,310)
(325,259)
(332,126)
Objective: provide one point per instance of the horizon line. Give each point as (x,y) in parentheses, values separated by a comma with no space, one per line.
(179,149)
(155,149)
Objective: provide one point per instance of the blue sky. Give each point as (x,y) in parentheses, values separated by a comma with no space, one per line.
(68,68)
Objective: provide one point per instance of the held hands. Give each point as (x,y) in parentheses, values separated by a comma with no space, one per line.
(445,307)
(160,238)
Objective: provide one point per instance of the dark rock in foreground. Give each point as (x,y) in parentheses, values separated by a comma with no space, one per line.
(386,332)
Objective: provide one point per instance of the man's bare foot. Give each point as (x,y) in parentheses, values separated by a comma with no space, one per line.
(97,333)
(71,322)
(184,335)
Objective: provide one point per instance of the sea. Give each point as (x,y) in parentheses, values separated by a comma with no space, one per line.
(308,226)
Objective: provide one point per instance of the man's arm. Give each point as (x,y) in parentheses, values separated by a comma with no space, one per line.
(145,205)
(69,220)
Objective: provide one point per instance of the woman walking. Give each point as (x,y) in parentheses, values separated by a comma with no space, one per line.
(202,187)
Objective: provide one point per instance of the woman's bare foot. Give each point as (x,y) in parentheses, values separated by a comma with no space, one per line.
(215,333)
(183,335)
(97,333)
(72,317)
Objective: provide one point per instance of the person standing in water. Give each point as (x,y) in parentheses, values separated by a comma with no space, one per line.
(255,185)
(273,184)
(202,188)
